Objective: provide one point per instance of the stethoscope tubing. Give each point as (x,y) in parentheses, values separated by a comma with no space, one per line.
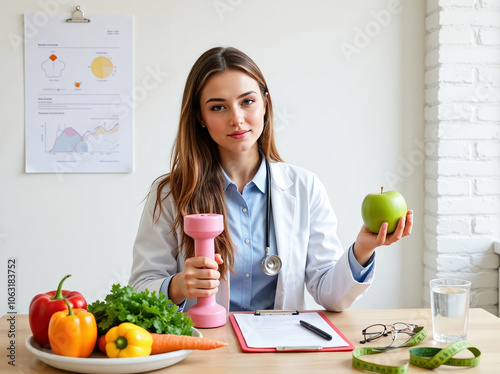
(271,264)
(268,201)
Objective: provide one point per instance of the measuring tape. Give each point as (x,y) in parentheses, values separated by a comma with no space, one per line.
(431,358)
(428,358)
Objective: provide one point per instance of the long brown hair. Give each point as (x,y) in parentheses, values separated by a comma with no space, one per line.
(196,179)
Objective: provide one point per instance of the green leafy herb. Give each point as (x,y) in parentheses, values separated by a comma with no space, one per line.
(152,311)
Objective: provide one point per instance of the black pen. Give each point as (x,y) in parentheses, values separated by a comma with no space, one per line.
(316,330)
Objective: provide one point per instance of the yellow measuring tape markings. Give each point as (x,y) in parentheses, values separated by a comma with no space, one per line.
(431,358)
(425,357)
(376,368)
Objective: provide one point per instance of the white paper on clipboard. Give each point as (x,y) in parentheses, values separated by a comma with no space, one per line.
(271,331)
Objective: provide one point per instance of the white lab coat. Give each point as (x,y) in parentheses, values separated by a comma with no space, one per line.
(305,226)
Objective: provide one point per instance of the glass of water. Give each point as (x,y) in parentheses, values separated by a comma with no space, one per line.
(450,309)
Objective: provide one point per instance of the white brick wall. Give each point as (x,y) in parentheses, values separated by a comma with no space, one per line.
(462,133)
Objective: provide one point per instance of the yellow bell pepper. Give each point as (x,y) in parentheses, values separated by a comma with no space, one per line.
(128,340)
(72,332)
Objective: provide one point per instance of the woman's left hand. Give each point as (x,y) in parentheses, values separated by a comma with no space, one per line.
(367,241)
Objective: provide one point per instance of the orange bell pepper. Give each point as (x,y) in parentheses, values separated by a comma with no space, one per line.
(73,332)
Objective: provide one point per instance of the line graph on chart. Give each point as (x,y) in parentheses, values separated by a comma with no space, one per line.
(103,138)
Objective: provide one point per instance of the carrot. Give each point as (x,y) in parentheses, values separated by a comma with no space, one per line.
(163,343)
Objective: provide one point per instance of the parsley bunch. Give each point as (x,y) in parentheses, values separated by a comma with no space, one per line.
(151,311)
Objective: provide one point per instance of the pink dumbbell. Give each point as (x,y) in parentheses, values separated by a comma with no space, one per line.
(203,228)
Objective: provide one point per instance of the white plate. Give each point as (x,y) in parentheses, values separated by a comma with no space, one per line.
(99,363)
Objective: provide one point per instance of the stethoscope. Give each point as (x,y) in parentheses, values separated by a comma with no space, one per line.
(271,264)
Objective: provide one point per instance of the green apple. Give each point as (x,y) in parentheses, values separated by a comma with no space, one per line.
(378,208)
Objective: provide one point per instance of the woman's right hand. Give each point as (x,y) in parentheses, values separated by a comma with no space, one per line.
(200,278)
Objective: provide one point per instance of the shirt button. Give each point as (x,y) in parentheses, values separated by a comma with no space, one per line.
(245,210)
(247,241)
(247,275)
(363,271)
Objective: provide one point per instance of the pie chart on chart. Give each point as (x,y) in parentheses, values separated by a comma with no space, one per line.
(102,67)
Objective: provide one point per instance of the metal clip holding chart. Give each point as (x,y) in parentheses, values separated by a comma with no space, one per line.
(78,17)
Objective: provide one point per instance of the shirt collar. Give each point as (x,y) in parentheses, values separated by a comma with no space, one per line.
(258,180)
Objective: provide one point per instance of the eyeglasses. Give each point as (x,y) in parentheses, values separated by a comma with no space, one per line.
(379,330)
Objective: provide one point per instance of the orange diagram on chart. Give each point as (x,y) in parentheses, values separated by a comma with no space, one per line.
(53,66)
(102,67)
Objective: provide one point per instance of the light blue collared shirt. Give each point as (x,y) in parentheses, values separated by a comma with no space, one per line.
(250,288)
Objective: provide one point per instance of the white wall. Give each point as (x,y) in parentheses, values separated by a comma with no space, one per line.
(356,120)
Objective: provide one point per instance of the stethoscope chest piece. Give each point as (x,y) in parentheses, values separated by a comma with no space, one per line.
(271,264)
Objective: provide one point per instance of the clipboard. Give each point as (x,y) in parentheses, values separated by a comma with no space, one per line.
(256,336)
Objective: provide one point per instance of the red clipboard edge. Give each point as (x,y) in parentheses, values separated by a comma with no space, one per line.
(247,349)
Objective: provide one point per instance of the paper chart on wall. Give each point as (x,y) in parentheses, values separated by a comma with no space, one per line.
(78,92)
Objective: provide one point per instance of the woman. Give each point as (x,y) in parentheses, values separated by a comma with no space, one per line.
(224,144)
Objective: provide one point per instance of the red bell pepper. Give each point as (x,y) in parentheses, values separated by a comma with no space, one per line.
(44,305)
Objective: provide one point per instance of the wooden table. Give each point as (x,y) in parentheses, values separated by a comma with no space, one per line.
(483,332)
